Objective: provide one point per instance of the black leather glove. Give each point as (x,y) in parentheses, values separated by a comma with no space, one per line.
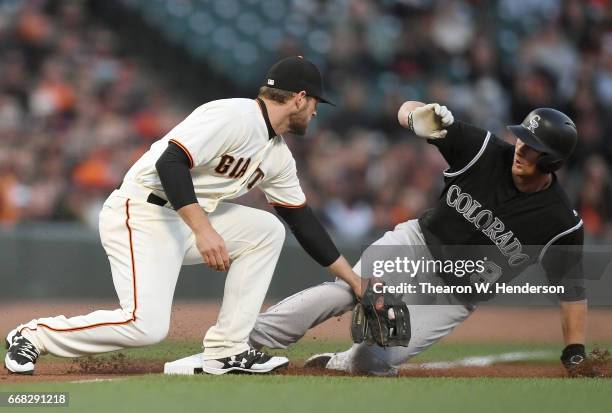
(381,319)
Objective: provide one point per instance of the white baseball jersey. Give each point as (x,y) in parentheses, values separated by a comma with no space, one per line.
(230,152)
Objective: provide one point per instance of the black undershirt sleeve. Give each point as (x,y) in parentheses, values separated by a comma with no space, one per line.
(173,170)
(310,234)
(461,144)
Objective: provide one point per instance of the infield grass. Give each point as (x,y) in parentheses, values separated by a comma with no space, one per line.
(159,393)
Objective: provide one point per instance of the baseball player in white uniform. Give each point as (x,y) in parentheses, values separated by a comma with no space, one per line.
(170,210)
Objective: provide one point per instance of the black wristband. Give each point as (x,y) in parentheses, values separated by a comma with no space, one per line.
(573,354)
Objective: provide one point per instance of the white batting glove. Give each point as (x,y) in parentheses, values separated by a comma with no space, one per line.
(430,121)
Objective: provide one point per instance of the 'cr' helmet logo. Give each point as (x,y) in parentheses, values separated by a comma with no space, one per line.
(533,123)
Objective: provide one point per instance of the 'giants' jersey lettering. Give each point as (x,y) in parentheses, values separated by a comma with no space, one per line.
(238,170)
(257,176)
(232,151)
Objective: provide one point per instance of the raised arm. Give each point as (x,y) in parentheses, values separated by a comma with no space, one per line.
(426,120)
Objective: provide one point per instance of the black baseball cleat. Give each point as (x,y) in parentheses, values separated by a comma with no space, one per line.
(21,355)
(249,361)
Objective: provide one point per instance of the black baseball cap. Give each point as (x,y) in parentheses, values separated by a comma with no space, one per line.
(295,74)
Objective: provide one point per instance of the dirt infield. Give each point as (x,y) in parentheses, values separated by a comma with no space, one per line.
(488,324)
(190,320)
(86,370)
(522,370)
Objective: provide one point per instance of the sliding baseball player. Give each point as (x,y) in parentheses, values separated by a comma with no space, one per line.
(503,196)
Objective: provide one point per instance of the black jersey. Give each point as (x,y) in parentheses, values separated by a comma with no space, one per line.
(480,205)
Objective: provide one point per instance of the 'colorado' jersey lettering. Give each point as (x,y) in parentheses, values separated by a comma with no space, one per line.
(489,225)
(480,206)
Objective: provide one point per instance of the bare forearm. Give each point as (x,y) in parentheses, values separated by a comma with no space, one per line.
(195,217)
(210,244)
(404,111)
(341,269)
(573,321)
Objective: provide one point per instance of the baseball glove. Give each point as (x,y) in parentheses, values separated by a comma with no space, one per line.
(381,318)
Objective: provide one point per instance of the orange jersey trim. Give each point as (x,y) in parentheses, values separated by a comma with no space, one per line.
(110,323)
(180,145)
(127,224)
(287,205)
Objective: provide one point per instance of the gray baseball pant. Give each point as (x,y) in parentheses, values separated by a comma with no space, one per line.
(286,322)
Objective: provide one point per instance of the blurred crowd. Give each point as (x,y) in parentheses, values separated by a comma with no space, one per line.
(76,111)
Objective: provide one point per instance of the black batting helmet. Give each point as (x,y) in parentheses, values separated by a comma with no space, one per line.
(548,131)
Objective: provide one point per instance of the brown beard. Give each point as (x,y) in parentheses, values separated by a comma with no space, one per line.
(298,123)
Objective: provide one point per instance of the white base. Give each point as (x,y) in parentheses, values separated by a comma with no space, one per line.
(187,366)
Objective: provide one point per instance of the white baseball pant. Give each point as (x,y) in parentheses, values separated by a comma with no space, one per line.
(146,246)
